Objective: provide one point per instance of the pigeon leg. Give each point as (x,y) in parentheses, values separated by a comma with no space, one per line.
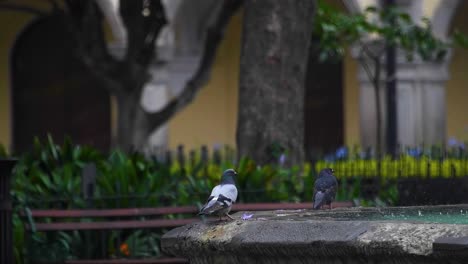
(232,218)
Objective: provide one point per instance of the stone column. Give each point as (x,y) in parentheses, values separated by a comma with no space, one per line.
(420,100)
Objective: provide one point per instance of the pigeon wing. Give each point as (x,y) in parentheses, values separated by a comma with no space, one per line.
(222,196)
(212,206)
(216,204)
(324,191)
(228,191)
(210,199)
(318,199)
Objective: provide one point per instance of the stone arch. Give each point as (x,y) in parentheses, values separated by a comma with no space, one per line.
(52,92)
(358,6)
(353,6)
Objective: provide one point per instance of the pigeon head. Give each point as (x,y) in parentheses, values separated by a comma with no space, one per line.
(228,176)
(326,172)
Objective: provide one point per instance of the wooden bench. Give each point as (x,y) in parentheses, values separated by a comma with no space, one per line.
(120,219)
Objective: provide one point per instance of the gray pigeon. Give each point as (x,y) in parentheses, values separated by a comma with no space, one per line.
(325,188)
(222,196)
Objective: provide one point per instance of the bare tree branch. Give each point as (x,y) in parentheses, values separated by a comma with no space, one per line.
(130,12)
(364,64)
(153,25)
(214,36)
(143,25)
(85,20)
(21,8)
(375,80)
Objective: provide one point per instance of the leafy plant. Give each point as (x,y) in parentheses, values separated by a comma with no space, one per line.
(3,152)
(140,245)
(372,32)
(50,176)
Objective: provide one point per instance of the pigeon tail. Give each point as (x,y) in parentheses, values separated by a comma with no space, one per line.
(319,199)
(217,204)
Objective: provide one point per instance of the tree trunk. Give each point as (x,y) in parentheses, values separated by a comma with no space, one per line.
(133,127)
(276,39)
(378,107)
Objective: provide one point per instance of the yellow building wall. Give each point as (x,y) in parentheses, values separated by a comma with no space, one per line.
(212,117)
(350,90)
(457,85)
(351,101)
(457,96)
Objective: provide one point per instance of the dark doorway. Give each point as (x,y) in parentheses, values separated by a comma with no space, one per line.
(53,92)
(323,105)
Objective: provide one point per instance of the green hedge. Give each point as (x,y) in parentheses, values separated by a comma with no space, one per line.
(405,166)
(49,176)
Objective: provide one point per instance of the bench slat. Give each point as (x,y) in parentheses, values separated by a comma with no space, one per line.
(125,261)
(80,213)
(121,224)
(129,212)
(282,206)
(137,224)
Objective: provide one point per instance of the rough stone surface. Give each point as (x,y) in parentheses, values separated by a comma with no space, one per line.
(450,244)
(302,236)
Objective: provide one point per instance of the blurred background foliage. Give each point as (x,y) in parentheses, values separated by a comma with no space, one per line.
(337,30)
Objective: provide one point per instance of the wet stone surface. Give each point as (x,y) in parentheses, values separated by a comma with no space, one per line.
(351,235)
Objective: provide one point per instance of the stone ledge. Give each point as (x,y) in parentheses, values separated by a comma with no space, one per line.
(303,236)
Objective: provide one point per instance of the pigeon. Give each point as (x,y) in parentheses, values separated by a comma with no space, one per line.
(222,196)
(325,188)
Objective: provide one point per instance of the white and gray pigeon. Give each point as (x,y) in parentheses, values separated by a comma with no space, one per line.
(325,188)
(222,196)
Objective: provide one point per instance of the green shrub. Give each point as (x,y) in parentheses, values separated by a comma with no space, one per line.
(50,177)
(3,152)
